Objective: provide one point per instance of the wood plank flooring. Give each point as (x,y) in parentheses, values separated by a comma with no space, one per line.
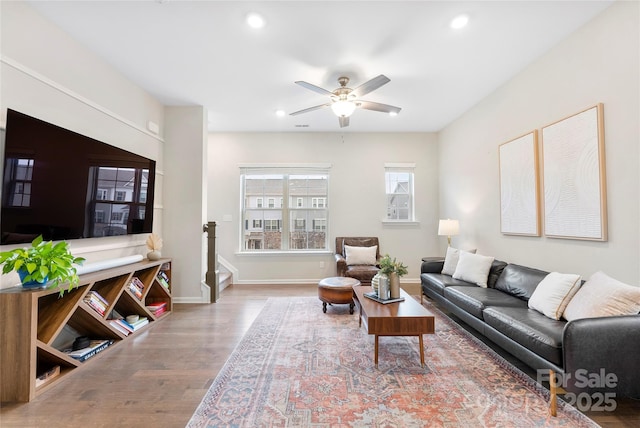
(159,378)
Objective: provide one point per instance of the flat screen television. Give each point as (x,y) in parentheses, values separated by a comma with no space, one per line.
(65,185)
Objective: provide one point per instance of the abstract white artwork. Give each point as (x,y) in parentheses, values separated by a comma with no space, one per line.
(574,177)
(519,194)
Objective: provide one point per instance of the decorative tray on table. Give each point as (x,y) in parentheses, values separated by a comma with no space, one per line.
(373,296)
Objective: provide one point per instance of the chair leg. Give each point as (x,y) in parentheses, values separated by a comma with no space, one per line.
(553,388)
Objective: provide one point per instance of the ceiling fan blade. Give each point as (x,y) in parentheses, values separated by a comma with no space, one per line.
(384,108)
(344,121)
(313,88)
(370,85)
(307,110)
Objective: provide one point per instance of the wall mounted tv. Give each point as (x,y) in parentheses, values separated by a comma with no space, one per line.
(64,185)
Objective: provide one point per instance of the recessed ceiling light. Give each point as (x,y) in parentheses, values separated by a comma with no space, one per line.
(393,113)
(280,113)
(459,21)
(255,21)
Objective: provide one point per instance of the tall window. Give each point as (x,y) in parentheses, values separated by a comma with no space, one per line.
(298,222)
(399,191)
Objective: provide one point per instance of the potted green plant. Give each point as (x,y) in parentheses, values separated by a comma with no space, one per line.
(42,264)
(393,269)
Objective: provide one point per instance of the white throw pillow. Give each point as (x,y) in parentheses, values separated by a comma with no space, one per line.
(553,294)
(451,260)
(473,268)
(361,255)
(603,296)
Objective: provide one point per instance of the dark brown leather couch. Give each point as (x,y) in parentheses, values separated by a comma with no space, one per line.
(363,273)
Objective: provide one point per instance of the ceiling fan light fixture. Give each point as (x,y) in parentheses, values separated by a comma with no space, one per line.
(343,108)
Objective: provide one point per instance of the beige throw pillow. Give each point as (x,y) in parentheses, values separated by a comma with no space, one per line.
(451,260)
(603,296)
(360,255)
(473,268)
(553,294)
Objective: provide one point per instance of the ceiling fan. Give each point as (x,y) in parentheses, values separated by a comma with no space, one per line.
(345,100)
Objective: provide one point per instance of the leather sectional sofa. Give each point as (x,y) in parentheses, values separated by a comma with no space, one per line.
(580,351)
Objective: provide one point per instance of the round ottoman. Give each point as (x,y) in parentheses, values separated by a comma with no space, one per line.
(338,290)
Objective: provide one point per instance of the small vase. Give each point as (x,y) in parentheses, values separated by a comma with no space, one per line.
(154,255)
(383,287)
(375,282)
(394,285)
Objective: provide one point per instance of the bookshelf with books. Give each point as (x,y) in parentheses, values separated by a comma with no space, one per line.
(39,326)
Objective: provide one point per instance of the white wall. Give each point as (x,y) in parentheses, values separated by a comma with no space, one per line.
(185,209)
(598,63)
(46,74)
(356,197)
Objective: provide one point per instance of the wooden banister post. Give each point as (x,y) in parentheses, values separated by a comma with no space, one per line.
(211,277)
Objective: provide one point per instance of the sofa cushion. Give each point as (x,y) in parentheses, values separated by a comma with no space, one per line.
(438,282)
(475,299)
(473,268)
(494,273)
(360,255)
(553,293)
(519,281)
(603,296)
(529,328)
(451,260)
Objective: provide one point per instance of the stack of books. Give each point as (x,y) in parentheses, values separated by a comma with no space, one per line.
(157,308)
(127,328)
(136,287)
(118,325)
(97,302)
(142,321)
(163,279)
(95,346)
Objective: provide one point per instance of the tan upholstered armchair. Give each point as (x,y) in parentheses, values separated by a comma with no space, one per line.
(359,263)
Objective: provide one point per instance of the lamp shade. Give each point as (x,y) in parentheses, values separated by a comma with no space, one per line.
(343,108)
(448,227)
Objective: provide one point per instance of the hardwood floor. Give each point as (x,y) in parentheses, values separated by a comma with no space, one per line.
(159,378)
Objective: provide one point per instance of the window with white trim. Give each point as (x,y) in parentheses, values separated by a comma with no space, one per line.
(399,191)
(299,222)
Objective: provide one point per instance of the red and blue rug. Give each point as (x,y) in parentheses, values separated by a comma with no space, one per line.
(299,367)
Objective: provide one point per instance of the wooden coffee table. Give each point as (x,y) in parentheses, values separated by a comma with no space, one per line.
(406,318)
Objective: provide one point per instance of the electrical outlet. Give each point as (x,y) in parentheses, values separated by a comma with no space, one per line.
(321,265)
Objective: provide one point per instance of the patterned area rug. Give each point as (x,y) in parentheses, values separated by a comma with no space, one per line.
(299,367)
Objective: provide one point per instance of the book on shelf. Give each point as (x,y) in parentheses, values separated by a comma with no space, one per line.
(97,302)
(118,326)
(121,322)
(373,296)
(47,376)
(95,295)
(159,311)
(163,279)
(142,321)
(95,347)
(136,287)
(156,306)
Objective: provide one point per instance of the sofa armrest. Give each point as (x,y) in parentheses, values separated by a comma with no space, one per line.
(432,265)
(612,344)
(341,264)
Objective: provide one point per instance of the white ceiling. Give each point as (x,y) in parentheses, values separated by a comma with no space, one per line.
(203,53)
